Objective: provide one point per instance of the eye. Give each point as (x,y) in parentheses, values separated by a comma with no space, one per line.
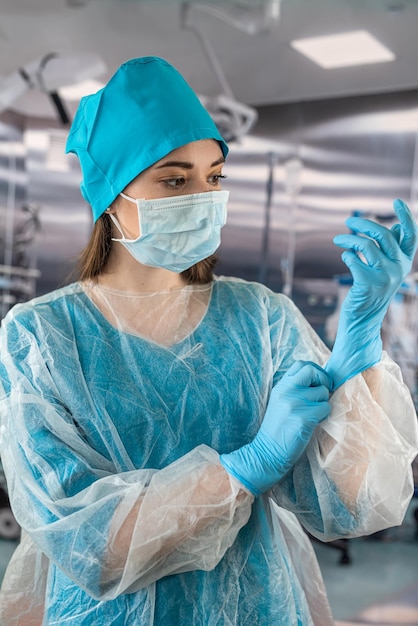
(175,183)
(215,178)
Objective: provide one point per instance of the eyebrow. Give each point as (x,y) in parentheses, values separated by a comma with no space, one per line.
(187,165)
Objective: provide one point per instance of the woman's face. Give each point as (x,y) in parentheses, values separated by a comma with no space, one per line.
(193,168)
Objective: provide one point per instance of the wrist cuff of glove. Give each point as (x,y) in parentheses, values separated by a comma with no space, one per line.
(340,375)
(258,465)
(227,461)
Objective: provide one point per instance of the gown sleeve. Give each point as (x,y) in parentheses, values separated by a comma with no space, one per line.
(109,532)
(355,477)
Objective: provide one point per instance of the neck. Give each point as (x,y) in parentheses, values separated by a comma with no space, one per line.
(124,273)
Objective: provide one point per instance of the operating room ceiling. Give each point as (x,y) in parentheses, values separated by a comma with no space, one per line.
(260,69)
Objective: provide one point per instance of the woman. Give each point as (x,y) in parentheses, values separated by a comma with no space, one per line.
(164,430)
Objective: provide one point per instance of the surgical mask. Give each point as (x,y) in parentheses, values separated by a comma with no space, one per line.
(177,232)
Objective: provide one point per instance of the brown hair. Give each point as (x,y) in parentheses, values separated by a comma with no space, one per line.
(95,255)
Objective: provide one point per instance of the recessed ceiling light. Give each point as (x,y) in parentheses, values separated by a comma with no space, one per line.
(353,48)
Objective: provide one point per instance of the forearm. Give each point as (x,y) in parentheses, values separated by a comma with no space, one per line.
(127,530)
(182,521)
(378,427)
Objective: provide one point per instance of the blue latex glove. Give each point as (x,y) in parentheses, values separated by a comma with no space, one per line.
(388,256)
(296,405)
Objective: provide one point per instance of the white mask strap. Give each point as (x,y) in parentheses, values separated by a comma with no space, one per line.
(116,221)
(127,197)
(118,226)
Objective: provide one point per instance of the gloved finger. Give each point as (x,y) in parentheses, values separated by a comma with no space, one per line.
(397,232)
(380,234)
(323,411)
(315,394)
(363,275)
(312,375)
(320,411)
(372,253)
(310,423)
(295,368)
(409,228)
(354,264)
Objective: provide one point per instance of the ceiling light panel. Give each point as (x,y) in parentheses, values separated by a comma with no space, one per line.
(344,50)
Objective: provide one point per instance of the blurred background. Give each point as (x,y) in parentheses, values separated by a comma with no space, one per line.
(319,100)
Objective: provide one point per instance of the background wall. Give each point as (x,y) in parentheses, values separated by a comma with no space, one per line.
(354,154)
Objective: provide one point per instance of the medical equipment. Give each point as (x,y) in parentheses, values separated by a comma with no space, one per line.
(253,18)
(47,75)
(18,272)
(9,528)
(234,119)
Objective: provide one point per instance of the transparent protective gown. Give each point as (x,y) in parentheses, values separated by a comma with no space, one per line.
(114,410)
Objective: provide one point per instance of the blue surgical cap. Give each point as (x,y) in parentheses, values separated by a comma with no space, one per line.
(144,112)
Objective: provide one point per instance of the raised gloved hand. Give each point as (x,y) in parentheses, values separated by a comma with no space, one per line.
(296,405)
(388,256)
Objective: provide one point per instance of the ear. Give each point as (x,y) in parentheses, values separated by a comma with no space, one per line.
(111,210)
